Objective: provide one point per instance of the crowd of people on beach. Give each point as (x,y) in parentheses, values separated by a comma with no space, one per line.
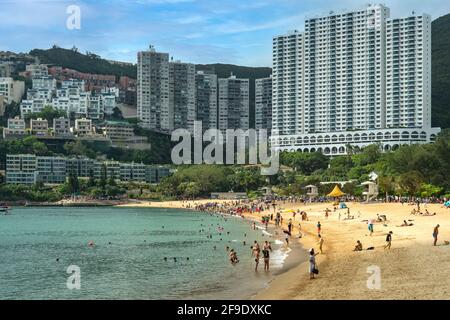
(271,211)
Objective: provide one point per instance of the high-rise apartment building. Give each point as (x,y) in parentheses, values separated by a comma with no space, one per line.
(206,99)
(355,77)
(408,75)
(181,95)
(233,103)
(263,104)
(288,83)
(153,107)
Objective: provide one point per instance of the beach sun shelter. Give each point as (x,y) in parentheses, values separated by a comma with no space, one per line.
(336,193)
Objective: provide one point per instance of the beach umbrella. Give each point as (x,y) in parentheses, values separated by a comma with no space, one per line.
(336,193)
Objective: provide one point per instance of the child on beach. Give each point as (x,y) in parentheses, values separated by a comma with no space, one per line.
(435,234)
(358,246)
(388,240)
(320,243)
(319,228)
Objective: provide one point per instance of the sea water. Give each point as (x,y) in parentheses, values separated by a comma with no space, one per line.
(38,244)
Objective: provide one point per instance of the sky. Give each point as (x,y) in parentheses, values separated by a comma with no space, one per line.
(198,31)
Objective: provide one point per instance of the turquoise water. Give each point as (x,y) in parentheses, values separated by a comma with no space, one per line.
(127,261)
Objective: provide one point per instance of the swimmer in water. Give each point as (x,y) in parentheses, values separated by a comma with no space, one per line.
(91,244)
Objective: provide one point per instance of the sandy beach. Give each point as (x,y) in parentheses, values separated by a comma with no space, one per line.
(412,269)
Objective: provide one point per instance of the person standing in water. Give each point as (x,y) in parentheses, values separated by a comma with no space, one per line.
(266,254)
(256,250)
(290,226)
(312,263)
(435,234)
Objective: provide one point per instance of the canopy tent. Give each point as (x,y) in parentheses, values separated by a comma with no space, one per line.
(337,192)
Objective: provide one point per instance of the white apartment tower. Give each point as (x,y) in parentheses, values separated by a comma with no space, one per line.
(288,82)
(344,68)
(234,105)
(263,104)
(153,108)
(182,95)
(356,78)
(206,99)
(408,77)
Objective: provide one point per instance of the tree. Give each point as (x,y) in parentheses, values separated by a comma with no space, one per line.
(429,190)
(410,183)
(112,181)
(73,184)
(387,184)
(305,163)
(91,182)
(78,148)
(103,178)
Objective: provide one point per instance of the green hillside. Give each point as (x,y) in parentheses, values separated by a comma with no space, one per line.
(88,63)
(441,72)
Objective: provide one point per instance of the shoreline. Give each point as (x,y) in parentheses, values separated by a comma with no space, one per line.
(296,257)
(412,269)
(344,273)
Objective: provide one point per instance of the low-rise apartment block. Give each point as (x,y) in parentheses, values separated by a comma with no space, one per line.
(16,127)
(39,126)
(83,127)
(29,169)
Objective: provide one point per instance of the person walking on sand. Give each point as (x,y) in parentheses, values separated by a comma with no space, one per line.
(319,228)
(320,243)
(388,240)
(312,264)
(435,234)
(370,226)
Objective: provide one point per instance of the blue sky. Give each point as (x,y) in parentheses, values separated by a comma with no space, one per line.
(198,31)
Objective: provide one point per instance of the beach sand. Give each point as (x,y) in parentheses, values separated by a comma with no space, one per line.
(412,269)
